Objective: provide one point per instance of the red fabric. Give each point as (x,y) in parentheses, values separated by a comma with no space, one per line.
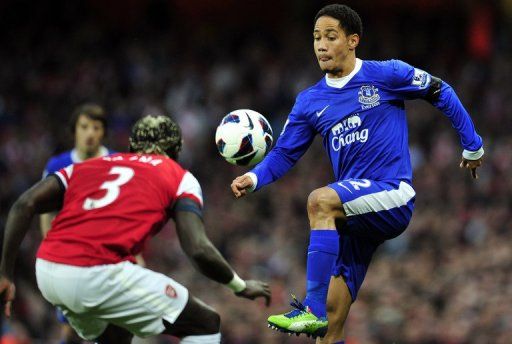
(480,32)
(112,205)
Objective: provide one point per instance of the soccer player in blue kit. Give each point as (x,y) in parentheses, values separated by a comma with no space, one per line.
(89,127)
(358,109)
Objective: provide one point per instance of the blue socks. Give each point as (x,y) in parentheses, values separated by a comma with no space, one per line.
(322,253)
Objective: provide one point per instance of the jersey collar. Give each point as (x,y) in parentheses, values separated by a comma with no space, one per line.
(341,82)
(75,158)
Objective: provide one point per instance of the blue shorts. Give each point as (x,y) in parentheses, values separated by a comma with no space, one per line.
(376,211)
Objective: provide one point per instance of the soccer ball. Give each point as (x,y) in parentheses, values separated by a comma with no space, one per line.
(243,137)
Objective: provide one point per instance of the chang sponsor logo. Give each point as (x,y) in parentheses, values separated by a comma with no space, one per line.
(343,133)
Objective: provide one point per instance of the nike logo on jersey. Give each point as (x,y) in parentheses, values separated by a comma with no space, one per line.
(319,113)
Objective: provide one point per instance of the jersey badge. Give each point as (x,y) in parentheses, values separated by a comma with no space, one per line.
(368,96)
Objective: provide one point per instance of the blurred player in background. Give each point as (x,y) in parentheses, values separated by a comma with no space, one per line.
(358,108)
(110,207)
(88,125)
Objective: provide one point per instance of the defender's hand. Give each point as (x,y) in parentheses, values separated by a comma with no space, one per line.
(240,185)
(7,292)
(471,165)
(255,289)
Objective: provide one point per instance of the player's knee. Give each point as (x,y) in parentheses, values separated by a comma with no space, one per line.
(324,202)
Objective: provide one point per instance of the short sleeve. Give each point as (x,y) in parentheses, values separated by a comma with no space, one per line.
(189,187)
(64,175)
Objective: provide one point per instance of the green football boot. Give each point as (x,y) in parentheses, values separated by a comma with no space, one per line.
(298,320)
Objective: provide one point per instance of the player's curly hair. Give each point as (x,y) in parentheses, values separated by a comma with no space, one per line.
(156,135)
(350,21)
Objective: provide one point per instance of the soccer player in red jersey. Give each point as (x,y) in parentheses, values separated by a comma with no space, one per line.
(109,207)
(88,125)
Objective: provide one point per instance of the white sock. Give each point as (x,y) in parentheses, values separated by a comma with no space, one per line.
(204,339)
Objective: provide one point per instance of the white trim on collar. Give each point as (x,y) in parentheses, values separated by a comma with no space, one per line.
(341,82)
(75,158)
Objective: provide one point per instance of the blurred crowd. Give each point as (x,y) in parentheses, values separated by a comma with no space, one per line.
(447,279)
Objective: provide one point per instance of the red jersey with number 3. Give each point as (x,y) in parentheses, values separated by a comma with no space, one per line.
(112,205)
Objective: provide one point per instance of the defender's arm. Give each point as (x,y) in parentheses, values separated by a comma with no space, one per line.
(205,256)
(45,196)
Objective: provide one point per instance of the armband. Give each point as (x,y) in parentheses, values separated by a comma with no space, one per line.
(236,284)
(186,204)
(434,90)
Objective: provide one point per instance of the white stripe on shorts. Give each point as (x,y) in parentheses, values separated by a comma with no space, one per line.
(383,200)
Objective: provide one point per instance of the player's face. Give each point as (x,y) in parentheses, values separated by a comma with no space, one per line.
(88,135)
(332,46)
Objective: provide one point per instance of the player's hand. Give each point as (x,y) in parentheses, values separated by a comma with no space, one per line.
(7,292)
(255,289)
(471,165)
(240,185)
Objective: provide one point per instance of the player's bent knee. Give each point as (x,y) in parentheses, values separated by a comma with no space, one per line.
(212,324)
(324,202)
(197,318)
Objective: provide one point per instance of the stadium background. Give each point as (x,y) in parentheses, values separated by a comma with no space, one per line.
(448,279)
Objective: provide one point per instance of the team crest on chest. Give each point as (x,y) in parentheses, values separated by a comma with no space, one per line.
(368,96)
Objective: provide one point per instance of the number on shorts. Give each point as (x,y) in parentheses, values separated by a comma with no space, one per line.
(112,187)
(357,185)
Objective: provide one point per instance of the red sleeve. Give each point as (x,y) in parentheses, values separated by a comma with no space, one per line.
(64,175)
(189,188)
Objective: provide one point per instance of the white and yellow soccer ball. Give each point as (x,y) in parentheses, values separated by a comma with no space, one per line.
(244,137)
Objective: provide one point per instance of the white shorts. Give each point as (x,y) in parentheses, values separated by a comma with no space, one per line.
(122,294)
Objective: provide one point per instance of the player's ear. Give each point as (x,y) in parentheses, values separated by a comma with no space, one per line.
(353,41)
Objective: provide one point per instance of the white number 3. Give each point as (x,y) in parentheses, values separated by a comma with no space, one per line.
(112,187)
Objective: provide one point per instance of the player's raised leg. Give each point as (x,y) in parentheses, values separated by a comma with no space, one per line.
(325,211)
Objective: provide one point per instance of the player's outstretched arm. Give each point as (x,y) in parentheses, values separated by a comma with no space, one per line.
(205,256)
(45,196)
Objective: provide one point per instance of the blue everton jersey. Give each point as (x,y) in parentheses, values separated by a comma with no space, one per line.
(65,159)
(362,121)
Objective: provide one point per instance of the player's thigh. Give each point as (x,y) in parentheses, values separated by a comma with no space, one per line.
(379,210)
(197,318)
(141,300)
(122,294)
